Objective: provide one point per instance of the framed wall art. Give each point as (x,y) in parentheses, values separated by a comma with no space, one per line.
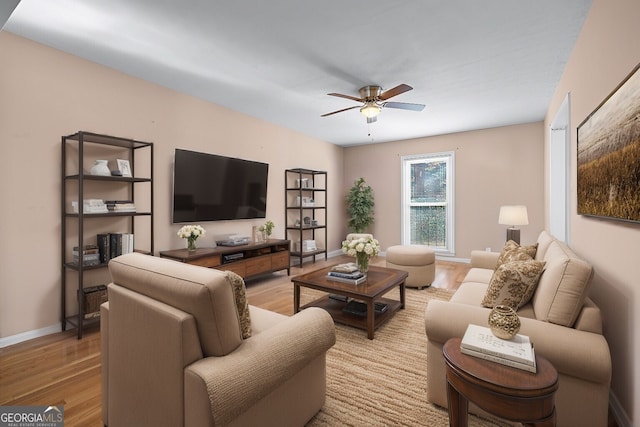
(608,177)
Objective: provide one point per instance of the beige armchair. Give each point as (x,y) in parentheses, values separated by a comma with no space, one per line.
(173,352)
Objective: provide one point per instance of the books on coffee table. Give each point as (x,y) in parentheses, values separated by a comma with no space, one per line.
(516,352)
(354,280)
(347,273)
(349,267)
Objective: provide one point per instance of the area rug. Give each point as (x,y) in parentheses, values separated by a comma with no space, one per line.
(383,382)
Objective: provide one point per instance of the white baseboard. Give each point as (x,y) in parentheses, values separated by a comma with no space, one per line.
(29,335)
(618,412)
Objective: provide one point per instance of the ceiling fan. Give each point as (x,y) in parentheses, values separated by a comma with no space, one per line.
(374,100)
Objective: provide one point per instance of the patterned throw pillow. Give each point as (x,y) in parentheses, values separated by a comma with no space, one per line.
(239,293)
(513,284)
(514,252)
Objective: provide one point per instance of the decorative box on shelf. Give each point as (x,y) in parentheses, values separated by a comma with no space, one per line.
(94,297)
(305,202)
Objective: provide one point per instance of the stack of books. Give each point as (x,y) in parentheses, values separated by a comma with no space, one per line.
(359,308)
(120,206)
(90,206)
(516,352)
(347,273)
(111,245)
(90,255)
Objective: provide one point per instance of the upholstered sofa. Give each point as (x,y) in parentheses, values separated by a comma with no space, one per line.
(562,322)
(181,347)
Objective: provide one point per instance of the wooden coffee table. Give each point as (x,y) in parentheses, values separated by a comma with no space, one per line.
(509,393)
(380,280)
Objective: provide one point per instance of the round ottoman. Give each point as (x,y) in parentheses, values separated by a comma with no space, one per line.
(417,260)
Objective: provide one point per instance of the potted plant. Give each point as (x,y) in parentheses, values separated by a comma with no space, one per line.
(267,229)
(360,205)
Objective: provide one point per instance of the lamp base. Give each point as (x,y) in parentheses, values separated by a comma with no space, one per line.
(513,234)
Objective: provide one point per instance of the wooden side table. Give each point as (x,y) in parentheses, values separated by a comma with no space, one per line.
(506,392)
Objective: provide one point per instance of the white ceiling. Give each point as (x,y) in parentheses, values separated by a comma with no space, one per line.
(475,64)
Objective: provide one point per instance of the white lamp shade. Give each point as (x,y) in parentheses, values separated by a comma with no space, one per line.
(513,215)
(370,110)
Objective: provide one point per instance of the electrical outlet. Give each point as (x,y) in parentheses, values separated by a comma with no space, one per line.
(487,249)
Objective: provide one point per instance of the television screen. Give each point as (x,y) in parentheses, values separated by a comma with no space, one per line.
(208,187)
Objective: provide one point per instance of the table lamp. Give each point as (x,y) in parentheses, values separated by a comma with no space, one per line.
(513,215)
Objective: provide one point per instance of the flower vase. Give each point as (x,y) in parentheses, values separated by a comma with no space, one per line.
(362,261)
(504,322)
(191,244)
(101,168)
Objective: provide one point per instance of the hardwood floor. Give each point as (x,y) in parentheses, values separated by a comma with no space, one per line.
(59,369)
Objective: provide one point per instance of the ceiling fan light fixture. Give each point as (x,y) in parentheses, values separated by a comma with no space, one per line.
(370,110)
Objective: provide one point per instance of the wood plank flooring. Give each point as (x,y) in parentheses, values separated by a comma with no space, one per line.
(59,369)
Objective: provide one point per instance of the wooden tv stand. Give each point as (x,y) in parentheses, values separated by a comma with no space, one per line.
(247,260)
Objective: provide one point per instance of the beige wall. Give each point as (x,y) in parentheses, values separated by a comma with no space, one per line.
(493,167)
(45,94)
(607,49)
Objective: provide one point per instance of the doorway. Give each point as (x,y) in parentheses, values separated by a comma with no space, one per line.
(559,169)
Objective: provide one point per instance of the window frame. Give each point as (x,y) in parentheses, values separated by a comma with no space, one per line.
(405,220)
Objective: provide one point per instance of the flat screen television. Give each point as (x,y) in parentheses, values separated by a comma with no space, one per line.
(208,187)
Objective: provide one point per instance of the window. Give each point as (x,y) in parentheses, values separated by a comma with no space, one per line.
(427,201)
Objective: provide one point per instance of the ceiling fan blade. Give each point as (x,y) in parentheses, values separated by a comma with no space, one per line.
(340,111)
(353,98)
(404,106)
(402,88)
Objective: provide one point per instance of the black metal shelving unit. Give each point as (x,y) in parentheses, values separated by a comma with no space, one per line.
(76,184)
(306,211)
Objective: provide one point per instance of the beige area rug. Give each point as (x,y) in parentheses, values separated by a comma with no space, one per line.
(383,382)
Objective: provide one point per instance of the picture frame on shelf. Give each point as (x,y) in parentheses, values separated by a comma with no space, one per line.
(124,167)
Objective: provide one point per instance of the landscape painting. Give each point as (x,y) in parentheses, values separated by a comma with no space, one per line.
(609,155)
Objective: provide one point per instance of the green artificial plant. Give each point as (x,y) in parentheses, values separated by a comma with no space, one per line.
(360,205)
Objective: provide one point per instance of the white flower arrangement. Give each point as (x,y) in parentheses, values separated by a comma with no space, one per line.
(191,232)
(368,246)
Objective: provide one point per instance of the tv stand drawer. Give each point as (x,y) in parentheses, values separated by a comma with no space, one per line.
(258,265)
(257,258)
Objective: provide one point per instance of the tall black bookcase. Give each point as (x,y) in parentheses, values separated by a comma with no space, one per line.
(79,227)
(306,212)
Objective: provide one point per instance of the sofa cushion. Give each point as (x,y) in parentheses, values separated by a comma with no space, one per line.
(513,284)
(544,240)
(239,293)
(563,286)
(514,252)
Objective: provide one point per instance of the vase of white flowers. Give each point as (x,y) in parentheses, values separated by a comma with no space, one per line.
(191,234)
(363,249)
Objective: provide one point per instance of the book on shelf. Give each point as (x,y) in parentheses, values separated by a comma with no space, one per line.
(86,250)
(355,281)
(359,308)
(87,260)
(111,245)
(480,339)
(120,205)
(90,206)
